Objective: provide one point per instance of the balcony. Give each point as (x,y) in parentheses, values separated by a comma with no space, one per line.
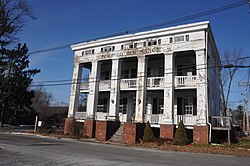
(104,85)
(153,118)
(185,81)
(187,119)
(102,116)
(128,84)
(155,82)
(84,87)
(81,115)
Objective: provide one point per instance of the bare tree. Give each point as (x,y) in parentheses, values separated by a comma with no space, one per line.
(231,62)
(12,14)
(41,103)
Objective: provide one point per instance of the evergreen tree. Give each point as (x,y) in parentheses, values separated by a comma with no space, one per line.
(15,81)
(180,137)
(15,77)
(148,133)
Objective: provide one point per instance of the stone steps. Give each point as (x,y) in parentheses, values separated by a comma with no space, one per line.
(118,136)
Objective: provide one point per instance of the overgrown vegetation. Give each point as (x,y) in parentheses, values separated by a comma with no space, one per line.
(148,133)
(181,137)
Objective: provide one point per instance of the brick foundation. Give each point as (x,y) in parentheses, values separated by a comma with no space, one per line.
(68,124)
(201,135)
(132,132)
(89,128)
(167,131)
(105,129)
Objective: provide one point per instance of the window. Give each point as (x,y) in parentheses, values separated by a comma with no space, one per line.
(160,72)
(188,106)
(159,41)
(82,52)
(135,45)
(102,105)
(113,48)
(170,40)
(89,52)
(129,46)
(133,73)
(107,49)
(125,73)
(152,42)
(123,105)
(187,37)
(178,38)
(149,72)
(121,47)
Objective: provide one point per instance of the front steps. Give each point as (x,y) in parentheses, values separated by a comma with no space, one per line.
(118,136)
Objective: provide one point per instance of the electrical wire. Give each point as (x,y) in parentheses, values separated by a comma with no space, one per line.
(150,26)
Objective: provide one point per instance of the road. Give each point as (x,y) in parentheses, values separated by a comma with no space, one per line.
(27,150)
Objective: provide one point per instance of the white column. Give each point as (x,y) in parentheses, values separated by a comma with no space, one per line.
(75,89)
(141,89)
(201,64)
(92,100)
(115,90)
(168,89)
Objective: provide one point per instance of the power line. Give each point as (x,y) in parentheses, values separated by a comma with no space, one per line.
(151,26)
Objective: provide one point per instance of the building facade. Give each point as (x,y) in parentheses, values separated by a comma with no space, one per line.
(163,76)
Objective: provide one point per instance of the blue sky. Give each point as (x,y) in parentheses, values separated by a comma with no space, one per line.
(61,22)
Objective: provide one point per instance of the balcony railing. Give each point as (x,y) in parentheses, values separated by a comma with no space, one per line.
(153,82)
(84,86)
(187,119)
(80,115)
(123,117)
(128,83)
(185,81)
(101,116)
(153,118)
(104,85)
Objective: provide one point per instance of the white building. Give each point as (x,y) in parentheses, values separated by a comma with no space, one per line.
(162,76)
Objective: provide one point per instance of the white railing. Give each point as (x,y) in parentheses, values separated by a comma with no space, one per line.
(81,115)
(155,82)
(123,117)
(153,118)
(84,86)
(128,83)
(187,119)
(101,116)
(183,81)
(104,85)
(221,122)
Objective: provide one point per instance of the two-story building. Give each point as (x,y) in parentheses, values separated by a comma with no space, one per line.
(162,76)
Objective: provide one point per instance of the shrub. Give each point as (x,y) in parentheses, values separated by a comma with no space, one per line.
(181,135)
(148,133)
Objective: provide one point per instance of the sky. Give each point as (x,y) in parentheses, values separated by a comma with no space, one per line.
(62,22)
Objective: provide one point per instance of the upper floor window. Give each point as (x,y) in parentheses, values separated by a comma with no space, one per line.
(170,40)
(129,46)
(108,49)
(152,42)
(178,38)
(88,52)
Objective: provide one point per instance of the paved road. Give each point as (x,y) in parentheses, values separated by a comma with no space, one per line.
(24,150)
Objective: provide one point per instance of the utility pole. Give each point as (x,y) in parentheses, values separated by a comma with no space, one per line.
(245,115)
